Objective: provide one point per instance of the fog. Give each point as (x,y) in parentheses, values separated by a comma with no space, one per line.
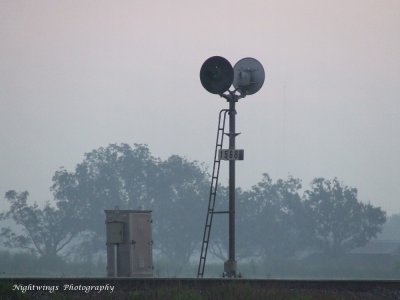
(283,229)
(79,75)
(76,76)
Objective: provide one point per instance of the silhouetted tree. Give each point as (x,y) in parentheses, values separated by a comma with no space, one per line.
(115,176)
(131,178)
(179,209)
(270,221)
(244,222)
(276,215)
(340,221)
(44,231)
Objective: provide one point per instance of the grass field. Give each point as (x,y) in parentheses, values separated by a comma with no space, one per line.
(194,289)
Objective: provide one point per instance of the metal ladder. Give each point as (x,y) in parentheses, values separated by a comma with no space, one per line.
(213,192)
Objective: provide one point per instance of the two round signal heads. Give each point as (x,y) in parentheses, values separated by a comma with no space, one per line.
(217,75)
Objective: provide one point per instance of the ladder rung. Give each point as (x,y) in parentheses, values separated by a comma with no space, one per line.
(221,212)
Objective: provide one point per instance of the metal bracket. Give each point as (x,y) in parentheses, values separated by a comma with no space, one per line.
(234,134)
(232,96)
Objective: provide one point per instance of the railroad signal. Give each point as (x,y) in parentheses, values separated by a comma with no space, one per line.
(249,76)
(217,76)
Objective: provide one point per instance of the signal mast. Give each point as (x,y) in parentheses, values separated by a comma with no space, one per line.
(217,76)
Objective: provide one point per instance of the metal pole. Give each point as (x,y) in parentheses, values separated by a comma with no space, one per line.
(230,265)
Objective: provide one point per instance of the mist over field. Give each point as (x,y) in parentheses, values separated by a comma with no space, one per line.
(283,229)
(102,107)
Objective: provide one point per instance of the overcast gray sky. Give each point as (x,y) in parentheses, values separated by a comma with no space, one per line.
(76,75)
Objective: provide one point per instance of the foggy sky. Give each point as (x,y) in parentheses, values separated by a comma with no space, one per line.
(77,75)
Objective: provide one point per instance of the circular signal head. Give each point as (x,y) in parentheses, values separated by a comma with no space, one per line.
(249,76)
(216,75)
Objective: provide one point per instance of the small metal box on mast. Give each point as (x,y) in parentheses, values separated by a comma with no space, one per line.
(129,243)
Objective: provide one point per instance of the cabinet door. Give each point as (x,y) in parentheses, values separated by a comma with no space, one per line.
(141,244)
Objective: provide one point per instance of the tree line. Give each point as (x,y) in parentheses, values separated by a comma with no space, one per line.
(275,219)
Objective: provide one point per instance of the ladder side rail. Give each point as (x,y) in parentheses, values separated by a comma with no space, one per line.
(213,196)
(207,227)
(213,191)
(211,203)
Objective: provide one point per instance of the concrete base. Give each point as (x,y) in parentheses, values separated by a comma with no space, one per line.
(230,269)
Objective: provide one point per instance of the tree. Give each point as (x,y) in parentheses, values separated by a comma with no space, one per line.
(269,221)
(340,221)
(131,178)
(219,238)
(276,217)
(179,208)
(45,231)
(115,176)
